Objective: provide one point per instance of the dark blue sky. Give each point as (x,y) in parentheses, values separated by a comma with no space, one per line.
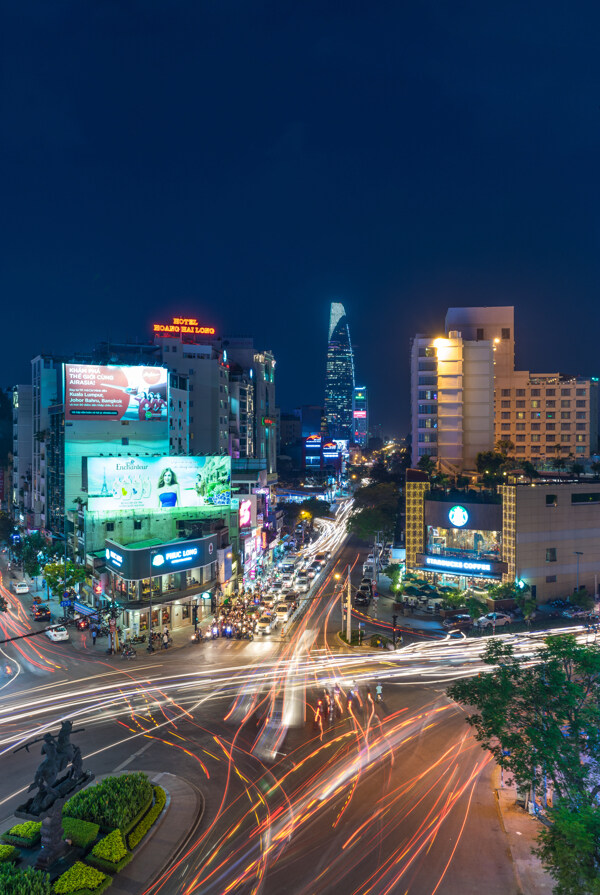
(248,162)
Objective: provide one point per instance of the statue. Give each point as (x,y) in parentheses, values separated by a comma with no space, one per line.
(60,754)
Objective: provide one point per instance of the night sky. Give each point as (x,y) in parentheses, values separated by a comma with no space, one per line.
(249,162)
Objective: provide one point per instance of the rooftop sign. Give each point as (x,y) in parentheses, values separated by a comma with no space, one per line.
(183,326)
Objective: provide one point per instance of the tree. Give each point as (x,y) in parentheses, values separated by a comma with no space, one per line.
(475,607)
(6,526)
(489,465)
(314,509)
(577,469)
(54,573)
(34,551)
(427,464)
(504,447)
(596,469)
(376,507)
(529,470)
(570,849)
(543,722)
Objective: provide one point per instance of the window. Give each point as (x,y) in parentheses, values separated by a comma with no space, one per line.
(580,403)
(550,427)
(550,415)
(586,497)
(125,441)
(535,403)
(550,579)
(520,449)
(535,427)
(505,393)
(520,437)
(550,392)
(505,333)
(505,427)
(479,336)
(520,427)
(535,392)
(565,427)
(565,415)
(423,380)
(520,415)
(580,392)
(550,554)
(110,526)
(580,426)
(137,524)
(506,403)
(580,438)
(536,437)
(551,500)
(565,403)
(550,403)
(565,392)
(535,448)
(550,437)
(505,416)
(580,415)
(580,449)
(520,403)
(536,415)
(565,438)
(520,393)
(428,396)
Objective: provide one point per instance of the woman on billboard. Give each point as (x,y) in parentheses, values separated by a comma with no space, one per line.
(168,489)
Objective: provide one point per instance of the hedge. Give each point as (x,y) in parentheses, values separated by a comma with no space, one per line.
(81,832)
(8,853)
(24,835)
(113,804)
(110,854)
(23,882)
(138,833)
(79,879)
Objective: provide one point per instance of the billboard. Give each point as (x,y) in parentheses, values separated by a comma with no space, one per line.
(157,484)
(93,392)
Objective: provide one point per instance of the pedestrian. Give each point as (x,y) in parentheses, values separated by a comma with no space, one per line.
(94,632)
(166,630)
(166,640)
(379,691)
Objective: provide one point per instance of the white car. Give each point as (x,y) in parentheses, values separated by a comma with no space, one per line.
(282,612)
(303,583)
(499,619)
(21,588)
(57,634)
(264,625)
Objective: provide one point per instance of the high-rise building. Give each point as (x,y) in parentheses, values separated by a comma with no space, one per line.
(452,400)
(339,382)
(360,416)
(21,494)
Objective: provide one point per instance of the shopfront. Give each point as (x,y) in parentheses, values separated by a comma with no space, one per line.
(177,579)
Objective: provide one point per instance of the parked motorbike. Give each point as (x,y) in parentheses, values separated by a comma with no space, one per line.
(197,636)
(128,652)
(139,638)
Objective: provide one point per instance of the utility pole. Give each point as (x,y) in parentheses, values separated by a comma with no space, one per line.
(578,553)
(349,609)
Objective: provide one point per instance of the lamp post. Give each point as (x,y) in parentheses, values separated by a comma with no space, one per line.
(349,609)
(578,553)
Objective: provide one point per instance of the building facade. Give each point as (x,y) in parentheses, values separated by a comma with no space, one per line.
(339,379)
(452,400)
(360,416)
(21,494)
(543,534)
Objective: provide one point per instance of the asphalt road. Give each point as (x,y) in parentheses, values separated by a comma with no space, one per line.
(384,798)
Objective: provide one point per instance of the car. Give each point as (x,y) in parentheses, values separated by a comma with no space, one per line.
(497,619)
(303,582)
(366,588)
(264,625)
(361,599)
(41,614)
(57,634)
(21,588)
(282,612)
(461,621)
(575,612)
(311,573)
(368,581)
(321,558)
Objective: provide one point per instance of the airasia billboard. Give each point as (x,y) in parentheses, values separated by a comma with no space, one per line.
(118,393)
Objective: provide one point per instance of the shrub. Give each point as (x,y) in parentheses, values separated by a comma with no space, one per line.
(7,853)
(24,835)
(23,882)
(114,803)
(110,854)
(79,878)
(81,832)
(138,833)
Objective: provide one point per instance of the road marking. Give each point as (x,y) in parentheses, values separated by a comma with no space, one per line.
(131,757)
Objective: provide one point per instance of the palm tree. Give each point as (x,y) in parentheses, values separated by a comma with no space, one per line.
(427,464)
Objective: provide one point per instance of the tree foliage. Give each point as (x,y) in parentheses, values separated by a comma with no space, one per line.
(375,509)
(54,573)
(543,721)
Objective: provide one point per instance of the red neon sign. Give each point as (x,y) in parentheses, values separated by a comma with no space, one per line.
(183,326)
(360,414)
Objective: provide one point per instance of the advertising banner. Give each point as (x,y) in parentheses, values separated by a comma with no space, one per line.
(157,484)
(117,393)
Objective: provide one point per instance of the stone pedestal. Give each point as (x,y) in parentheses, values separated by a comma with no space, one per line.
(53,844)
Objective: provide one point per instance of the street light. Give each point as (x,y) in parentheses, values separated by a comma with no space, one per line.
(578,553)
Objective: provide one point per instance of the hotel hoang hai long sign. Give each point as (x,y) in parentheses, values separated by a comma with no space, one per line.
(183,326)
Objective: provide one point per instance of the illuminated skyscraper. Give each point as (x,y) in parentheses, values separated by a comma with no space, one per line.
(339,380)
(361,416)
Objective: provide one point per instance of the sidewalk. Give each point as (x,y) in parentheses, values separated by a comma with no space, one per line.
(521,831)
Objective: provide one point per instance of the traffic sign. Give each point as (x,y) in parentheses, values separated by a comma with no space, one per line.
(66,603)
